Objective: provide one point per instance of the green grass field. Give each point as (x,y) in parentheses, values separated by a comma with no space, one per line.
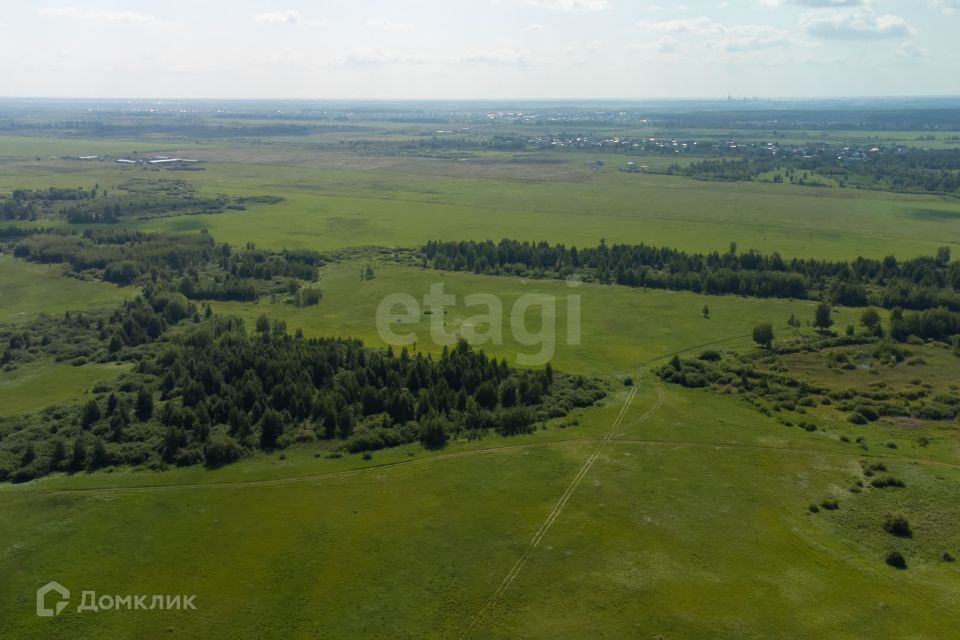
(28,289)
(39,384)
(663,512)
(691,522)
(335,200)
(620,327)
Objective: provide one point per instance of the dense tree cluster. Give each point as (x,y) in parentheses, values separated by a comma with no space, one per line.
(141,198)
(191,264)
(210,393)
(134,198)
(920,283)
(932,324)
(273,388)
(99,336)
(30,204)
(97,249)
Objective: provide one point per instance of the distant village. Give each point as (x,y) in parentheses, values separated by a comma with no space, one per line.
(674,146)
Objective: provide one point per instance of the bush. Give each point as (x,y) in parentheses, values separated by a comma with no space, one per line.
(934,411)
(814,508)
(188,456)
(897,526)
(896,560)
(867,412)
(309,297)
(883,483)
(857,418)
(121,272)
(870,469)
(25,474)
(432,433)
(221,449)
(948,557)
(514,421)
(695,381)
(710,355)
(830,505)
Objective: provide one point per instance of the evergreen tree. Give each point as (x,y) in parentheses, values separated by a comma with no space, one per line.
(822,317)
(144,408)
(91,413)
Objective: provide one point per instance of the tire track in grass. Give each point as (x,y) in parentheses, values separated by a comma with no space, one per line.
(617,440)
(481,616)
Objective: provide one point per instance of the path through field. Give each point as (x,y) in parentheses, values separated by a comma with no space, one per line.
(508,579)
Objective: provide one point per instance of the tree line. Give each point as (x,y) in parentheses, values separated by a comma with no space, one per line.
(134,198)
(919,283)
(195,265)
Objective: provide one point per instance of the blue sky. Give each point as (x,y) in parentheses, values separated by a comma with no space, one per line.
(421,49)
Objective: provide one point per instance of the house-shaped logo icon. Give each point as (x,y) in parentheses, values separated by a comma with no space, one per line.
(42,610)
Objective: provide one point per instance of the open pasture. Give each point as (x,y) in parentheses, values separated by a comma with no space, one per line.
(28,289)
(620,327)
(335,199)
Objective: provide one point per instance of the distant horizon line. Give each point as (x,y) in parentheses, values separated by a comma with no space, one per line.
(729,98)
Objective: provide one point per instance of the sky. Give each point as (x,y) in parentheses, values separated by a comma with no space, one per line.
(479,49)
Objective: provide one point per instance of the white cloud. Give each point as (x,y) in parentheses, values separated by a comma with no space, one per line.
(828,4)
(857,24)
(667,44)
(61,12)
(279,17)
(750,37)
(664,47)
(291,18)
(103,16)
(534,27)
(568,5)
(700,25)
(381,22)
(948,6)
(702,33)
(815,4)
(911,51)
(375,56)
(507,55)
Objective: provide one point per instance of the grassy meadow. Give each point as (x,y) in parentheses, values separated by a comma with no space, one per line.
(334,199)
(620,327)
(691,522)
(664,512)
(37,385)
(29,289)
